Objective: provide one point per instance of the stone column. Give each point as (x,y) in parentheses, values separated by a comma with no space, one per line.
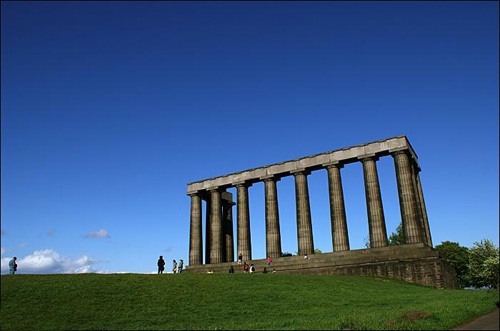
(407,198)
(304,224)
(227,226)
(340,238)
(376,219)
(243,211)
(195,233)
(425,220)
(216,255)
(420,216)
(208,228)
(273,235)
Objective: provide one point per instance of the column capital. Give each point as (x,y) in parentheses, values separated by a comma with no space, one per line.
(368,157)
(242,184)
(336,164)
(300,171)
(399,151)
(270,177)
(406,152)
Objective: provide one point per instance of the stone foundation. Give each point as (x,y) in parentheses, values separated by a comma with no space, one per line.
(413,263)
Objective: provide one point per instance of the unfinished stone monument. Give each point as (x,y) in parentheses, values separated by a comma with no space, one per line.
(415,261)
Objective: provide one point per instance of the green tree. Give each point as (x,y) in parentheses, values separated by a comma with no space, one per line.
(484,264)
(458,257)
(397,237)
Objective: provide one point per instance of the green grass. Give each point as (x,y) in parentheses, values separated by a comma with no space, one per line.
(225,301)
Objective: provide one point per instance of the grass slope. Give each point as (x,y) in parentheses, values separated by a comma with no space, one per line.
(231,301)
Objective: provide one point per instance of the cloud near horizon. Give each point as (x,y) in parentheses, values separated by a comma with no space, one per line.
(48,261)
(98,234)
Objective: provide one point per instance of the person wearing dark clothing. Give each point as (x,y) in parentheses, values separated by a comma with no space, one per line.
(174,269)
(231,270)
(13,265)
(180,266)
(161,265)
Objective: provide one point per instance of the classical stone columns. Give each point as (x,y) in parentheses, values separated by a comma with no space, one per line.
(216,255)
(208,236)
(219,232)
(340,238)
(227,227)
(273,236)
(425,220)
(376,220)
(407,198)
(244,243)
(195,233)
(304,224)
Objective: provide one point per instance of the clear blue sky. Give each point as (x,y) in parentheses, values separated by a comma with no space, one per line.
(109,109)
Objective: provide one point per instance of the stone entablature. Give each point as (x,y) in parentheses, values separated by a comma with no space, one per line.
(309,163)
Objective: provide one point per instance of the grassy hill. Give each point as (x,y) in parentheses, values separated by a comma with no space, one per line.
(231,301)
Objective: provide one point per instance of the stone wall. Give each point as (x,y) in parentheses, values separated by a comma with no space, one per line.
(413,263)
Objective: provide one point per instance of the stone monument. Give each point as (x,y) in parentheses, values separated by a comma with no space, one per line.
(415,261)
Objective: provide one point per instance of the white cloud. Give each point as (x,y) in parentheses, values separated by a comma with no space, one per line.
(48,261)
(98,234)
(2,250)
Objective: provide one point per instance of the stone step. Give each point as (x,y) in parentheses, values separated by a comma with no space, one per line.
(328,260)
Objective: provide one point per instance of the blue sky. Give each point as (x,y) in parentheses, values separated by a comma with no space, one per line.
(109,110)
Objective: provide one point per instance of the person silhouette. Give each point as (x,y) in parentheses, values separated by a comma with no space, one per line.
(161,264)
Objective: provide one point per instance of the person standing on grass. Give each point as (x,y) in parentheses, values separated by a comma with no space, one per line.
(13,265)
(179,267)
(161,265)
(174,269)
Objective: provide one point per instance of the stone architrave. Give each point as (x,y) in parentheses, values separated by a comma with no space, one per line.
(195,233)
(340,238)
(376,219)
(273,235)
(304,223)
(243,215)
